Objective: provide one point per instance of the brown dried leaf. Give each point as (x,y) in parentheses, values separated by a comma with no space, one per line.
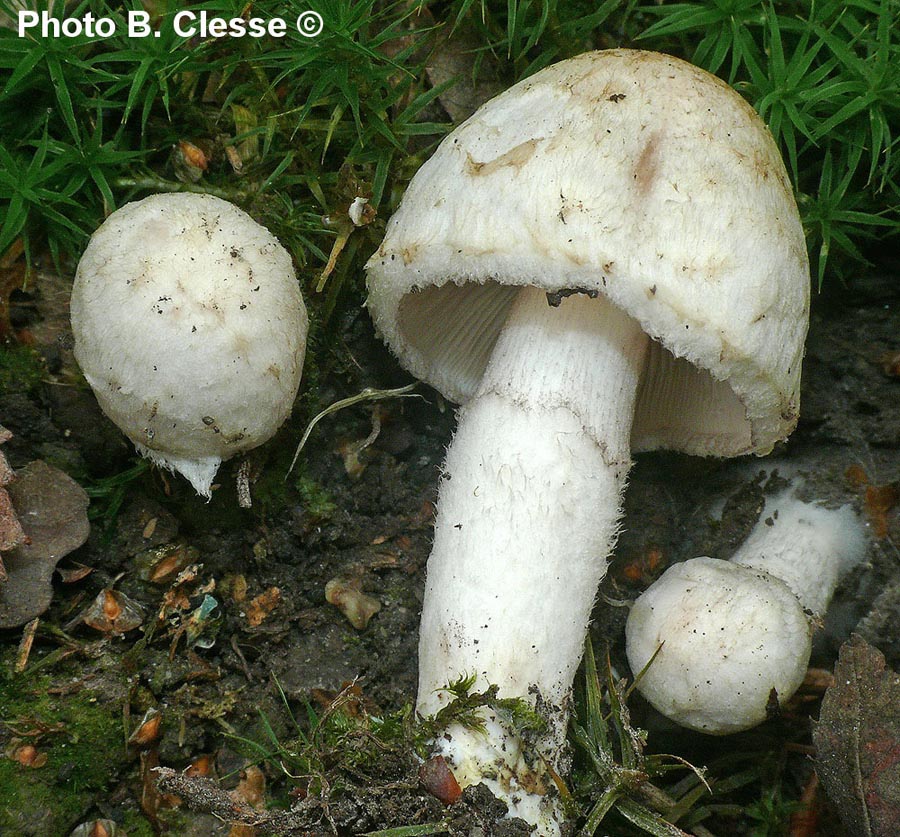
(349,599)
(52,508)
(437,778)
(251,788)
(261,606)
(161,564)
(890,363)
(12,278)
(11,532)
(856,476)
(858,742)
(189,161)
(28,756)
(236,587)
(7,475)
(200,766)
(113,612)
(72,575)
(880,500)
(99,828)
(148,730)
(459,56)
(152,800)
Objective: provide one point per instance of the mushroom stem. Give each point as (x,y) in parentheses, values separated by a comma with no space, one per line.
(807,547)
(527,514)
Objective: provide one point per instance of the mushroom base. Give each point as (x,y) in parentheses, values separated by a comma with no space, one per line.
(199,472)
(527,514)
(513,771)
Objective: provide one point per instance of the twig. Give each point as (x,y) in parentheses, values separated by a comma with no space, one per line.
(205,795)
(236,648)
(243,485)
(368,394)
(25,644)
(159,184)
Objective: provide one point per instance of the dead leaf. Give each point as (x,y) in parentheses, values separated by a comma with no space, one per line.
(52,509)
(25,645)
(11,532)
(99,828)
(200,766)
(437,778)
(236,587)
(880,499)
(349,599)
(72,575)
(28,756)
(856,476)
(12,278)
(245,124)
(262,605)
(804,822)
(251,788)
(148,730)
(113,612)
(858,742)
(476,72)
(153,800)
(890,363)
(161,564)
(189,161)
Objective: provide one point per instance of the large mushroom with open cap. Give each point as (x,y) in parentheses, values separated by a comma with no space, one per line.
(606,258)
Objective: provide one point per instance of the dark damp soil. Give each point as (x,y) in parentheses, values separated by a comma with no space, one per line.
(248,632)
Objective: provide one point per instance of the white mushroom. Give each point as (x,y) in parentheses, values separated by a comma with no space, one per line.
(191,330)
(605,258)
(732,638)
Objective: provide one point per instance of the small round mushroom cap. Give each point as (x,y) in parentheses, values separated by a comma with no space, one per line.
(625,173)
(733,639)
(191,330)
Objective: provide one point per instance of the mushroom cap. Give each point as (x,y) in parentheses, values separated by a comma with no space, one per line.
(190,328)
(627,173)
(730,636)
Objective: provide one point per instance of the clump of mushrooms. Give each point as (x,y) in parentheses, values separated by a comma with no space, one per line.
(605,258)
(732,639)
(191,330)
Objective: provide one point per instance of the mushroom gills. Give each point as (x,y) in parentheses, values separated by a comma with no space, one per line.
(527,514)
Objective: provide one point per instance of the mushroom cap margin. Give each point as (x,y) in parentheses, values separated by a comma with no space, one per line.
(628,173)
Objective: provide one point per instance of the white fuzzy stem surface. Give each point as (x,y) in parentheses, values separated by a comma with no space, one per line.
(527,515)
(806,546)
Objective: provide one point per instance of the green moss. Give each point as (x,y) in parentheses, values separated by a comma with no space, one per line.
(135,824)
(81,735)
(21,369)
(270,491)
(316,499)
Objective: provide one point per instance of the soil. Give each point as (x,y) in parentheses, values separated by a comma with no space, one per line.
(225,674)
